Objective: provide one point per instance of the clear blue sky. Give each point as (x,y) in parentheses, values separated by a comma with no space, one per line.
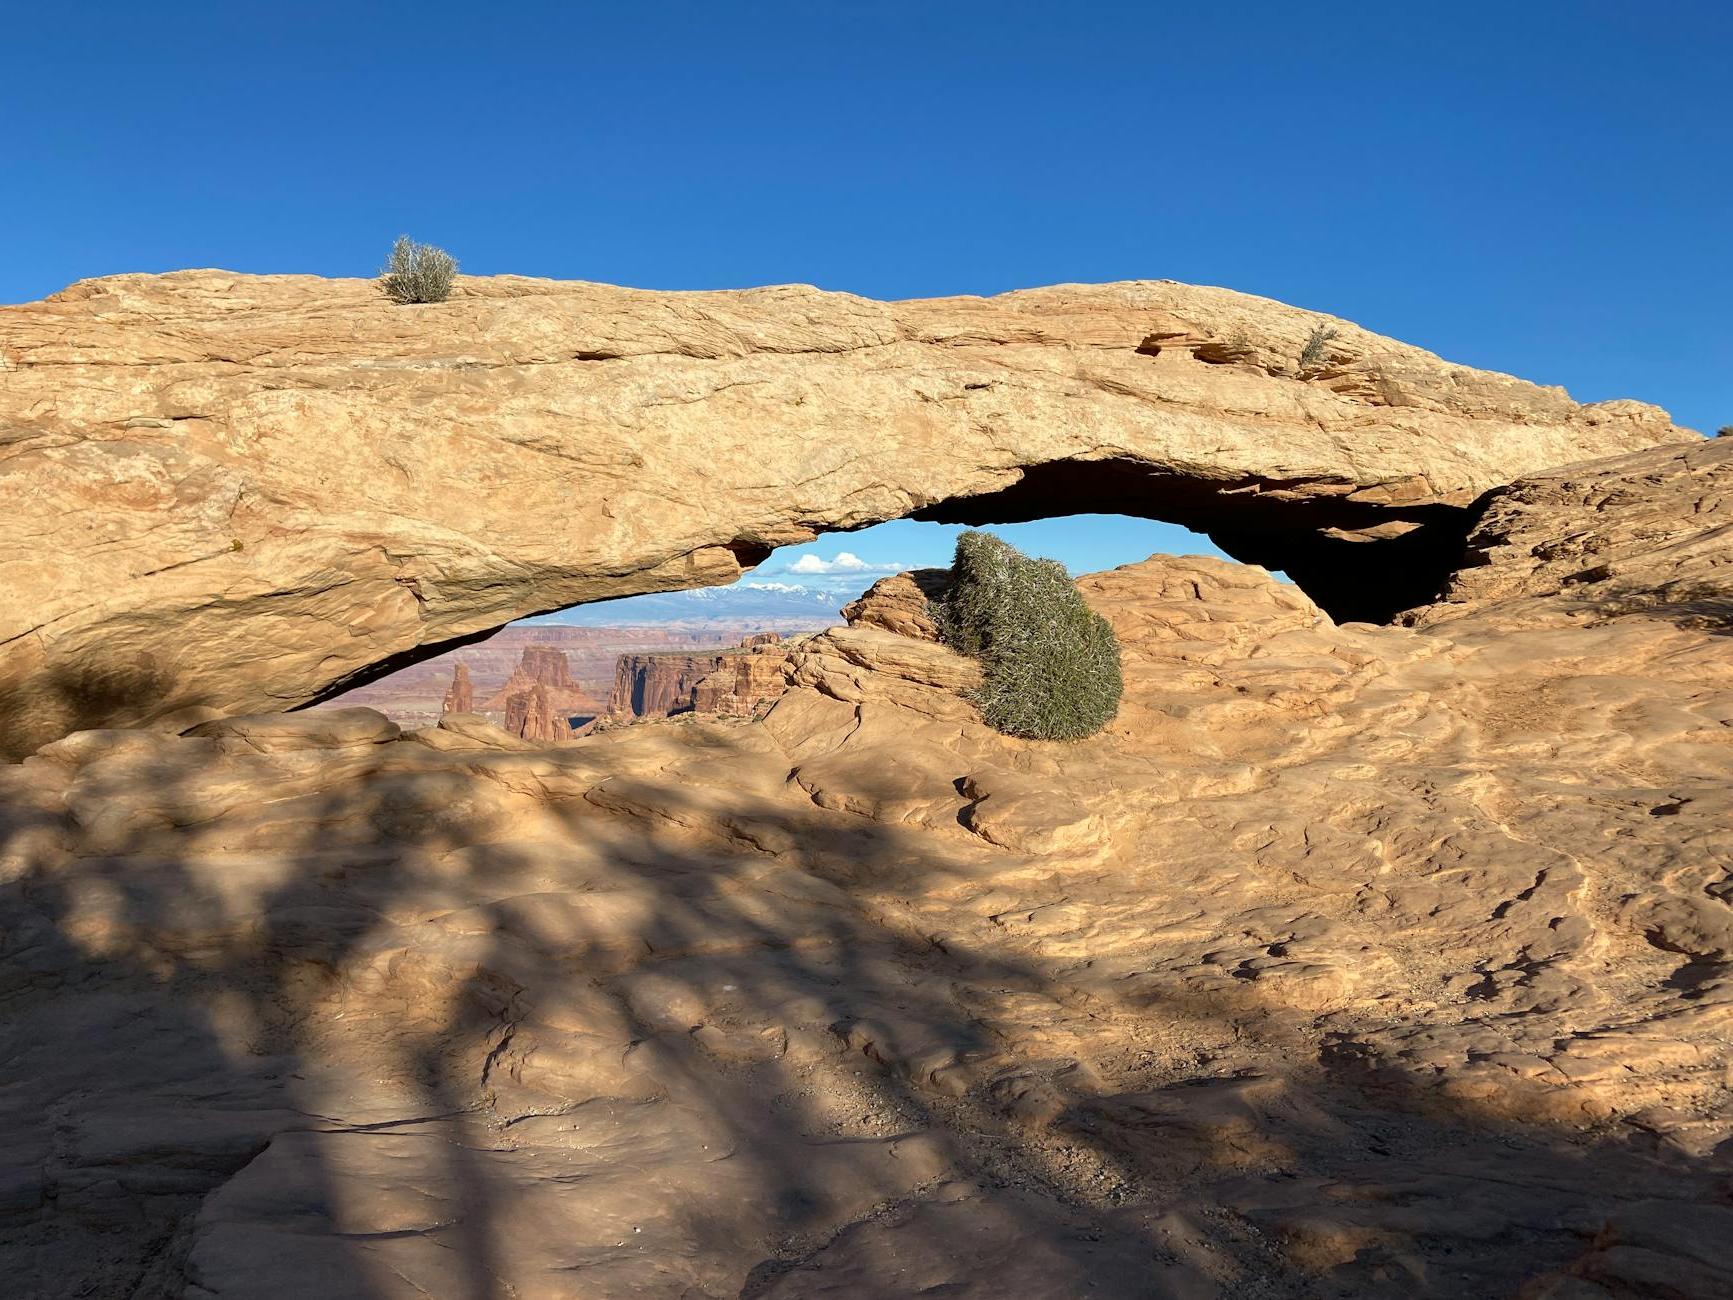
(1544,188)
(1086,543)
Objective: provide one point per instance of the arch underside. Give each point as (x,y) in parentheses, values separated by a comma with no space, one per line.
(1360,561)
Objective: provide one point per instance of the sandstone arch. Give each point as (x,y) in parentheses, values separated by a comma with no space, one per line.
(229,493)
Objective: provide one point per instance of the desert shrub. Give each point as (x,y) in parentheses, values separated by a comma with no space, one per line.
(417,272)
(1050,664)
(1313,352)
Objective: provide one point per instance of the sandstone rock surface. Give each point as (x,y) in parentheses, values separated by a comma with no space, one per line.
(1348,961)
(540,665)
(531,714)
(742,683)
(229,493)
(902,603)
(656,684)
(541,697)
(1648,533)
(460,698)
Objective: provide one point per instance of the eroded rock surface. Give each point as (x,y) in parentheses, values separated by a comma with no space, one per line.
(655,684)
(460,697)
(743,683)
(540,698)
(229,493)
(545,666)
(1348,961)
(1648,533)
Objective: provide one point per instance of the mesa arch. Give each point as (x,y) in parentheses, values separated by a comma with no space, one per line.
(227,493)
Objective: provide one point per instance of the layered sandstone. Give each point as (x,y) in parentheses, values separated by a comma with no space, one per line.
(544,666)
(532,715)
(1347,960)
(1649,533)
(743,683)
(199,465)
(414,695)
(656,685)
(902,603)
(460,698)
(735,680)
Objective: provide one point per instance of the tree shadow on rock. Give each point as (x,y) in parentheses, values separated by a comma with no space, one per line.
(386,1019)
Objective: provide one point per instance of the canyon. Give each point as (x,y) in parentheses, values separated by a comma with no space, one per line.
(416,695)
(734,680)
(1381,945)
(656,685)
(541,699)
(742,683)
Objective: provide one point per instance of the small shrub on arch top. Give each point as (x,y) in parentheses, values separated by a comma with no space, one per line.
(1050,664)
(1316,342)
(417,272)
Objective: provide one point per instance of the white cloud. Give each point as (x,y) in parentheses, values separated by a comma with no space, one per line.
(845,562)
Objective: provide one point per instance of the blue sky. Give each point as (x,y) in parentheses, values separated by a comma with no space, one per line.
(1085,543)
(818,578)
(1542,188)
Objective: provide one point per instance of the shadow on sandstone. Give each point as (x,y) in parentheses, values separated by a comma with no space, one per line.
(63,698)
(1701,607)
(379,1020)
(353,1009)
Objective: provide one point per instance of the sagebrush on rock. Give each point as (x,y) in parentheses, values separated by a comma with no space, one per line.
(1316,341)
(1050,664)
(417,272)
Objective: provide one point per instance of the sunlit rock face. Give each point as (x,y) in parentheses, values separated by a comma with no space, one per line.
(1651,532)
(460,697)
(1347,960)
(540,698)
(655,684)
(227,494)
(735,680)
(743,683)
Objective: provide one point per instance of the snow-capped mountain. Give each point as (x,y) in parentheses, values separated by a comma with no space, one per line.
(793,605)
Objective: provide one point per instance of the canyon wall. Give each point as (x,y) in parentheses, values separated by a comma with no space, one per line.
(733,681)
(543,667)
(743,682)
(415,695)
(656,685)
(532,715)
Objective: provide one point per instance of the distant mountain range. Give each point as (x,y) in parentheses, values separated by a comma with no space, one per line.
(784,605)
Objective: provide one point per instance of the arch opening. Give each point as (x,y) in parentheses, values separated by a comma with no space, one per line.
(1362,550)
(645,655)
(1362,555)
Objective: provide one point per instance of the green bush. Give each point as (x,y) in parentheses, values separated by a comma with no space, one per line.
(1313,352)
(1050,664)
(417,272)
